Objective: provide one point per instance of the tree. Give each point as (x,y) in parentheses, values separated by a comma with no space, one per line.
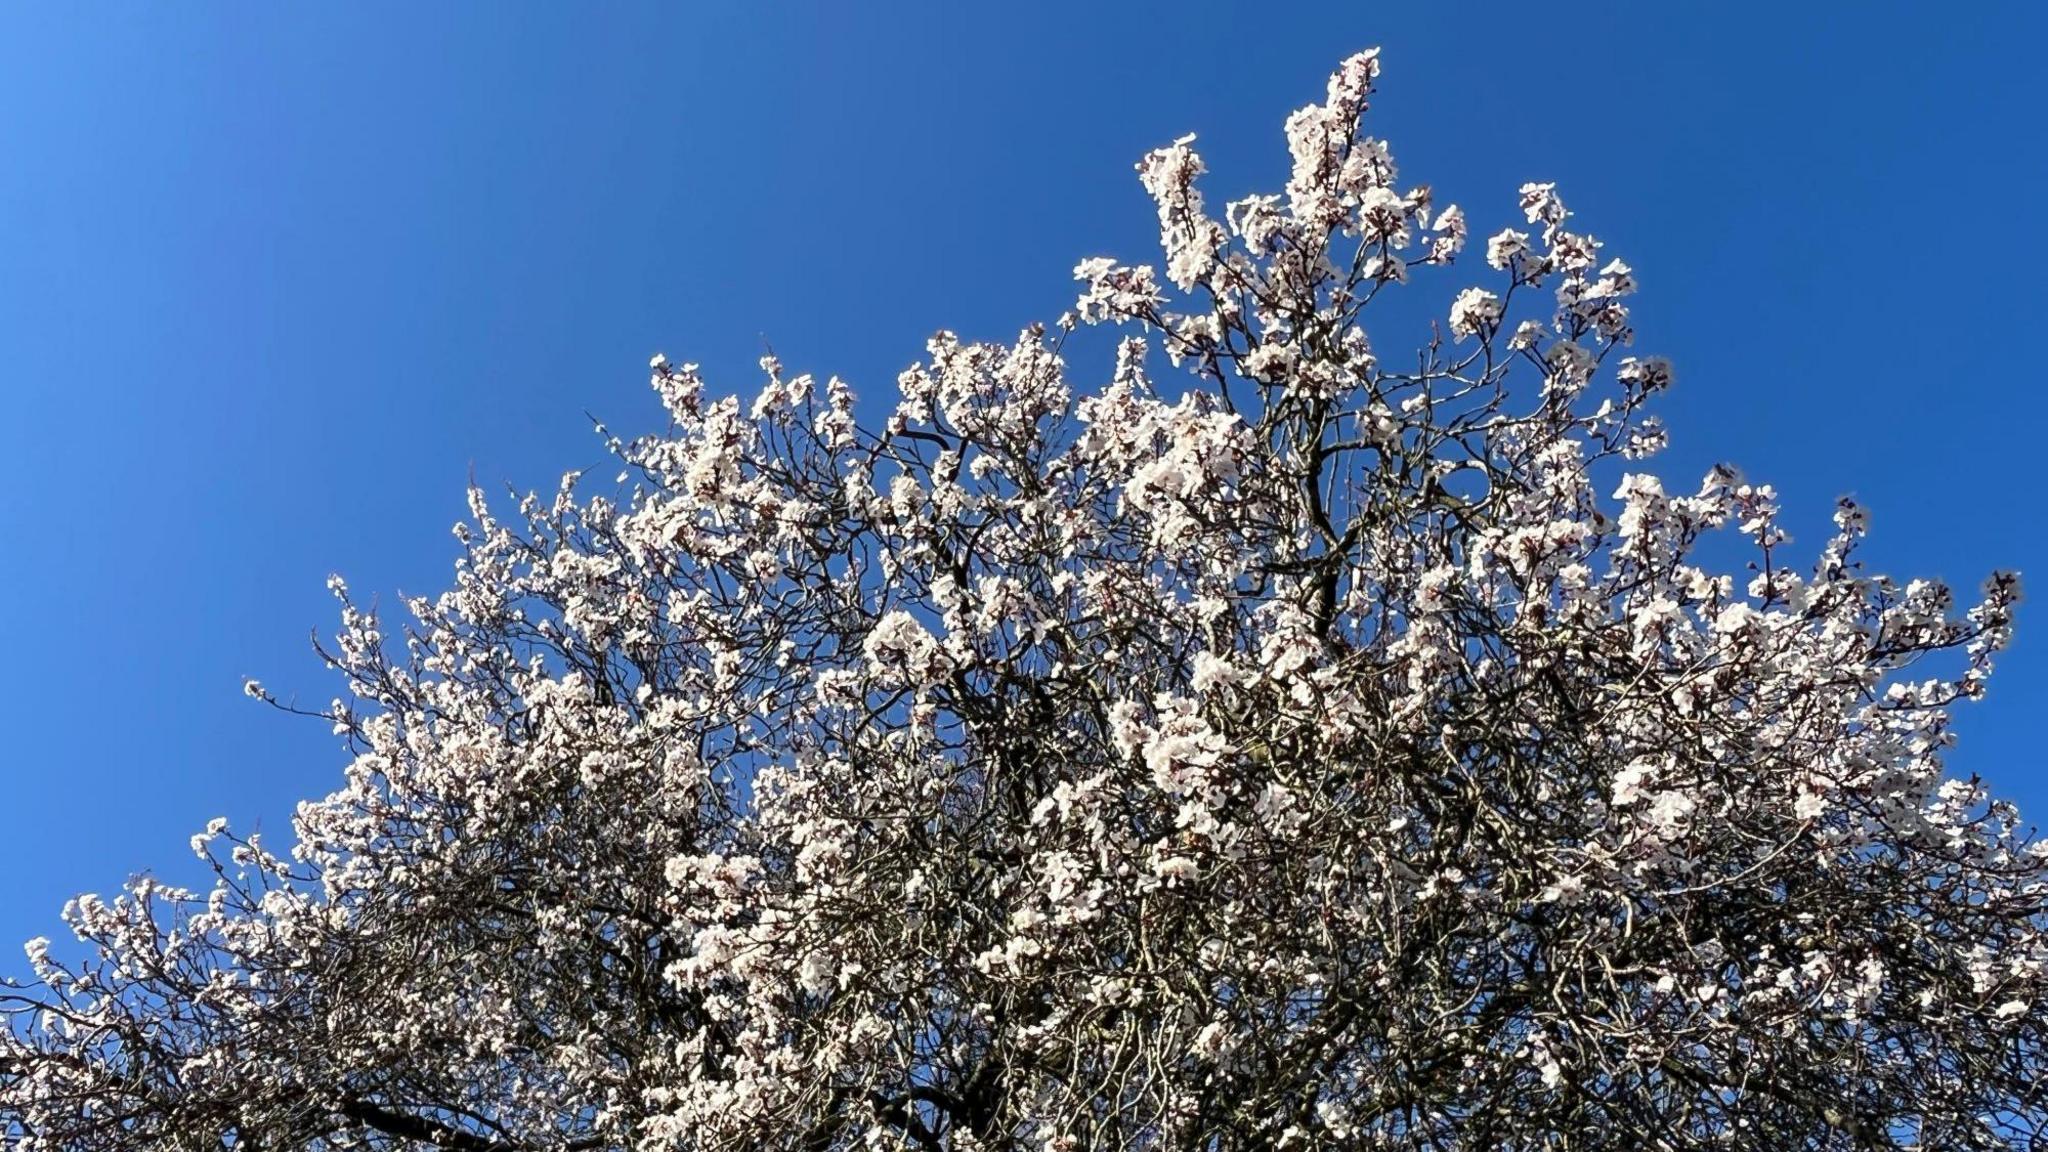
(1276,746)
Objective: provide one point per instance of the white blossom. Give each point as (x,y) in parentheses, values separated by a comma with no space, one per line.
(1320,747)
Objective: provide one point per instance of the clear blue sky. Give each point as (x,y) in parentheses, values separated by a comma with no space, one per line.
(273,279)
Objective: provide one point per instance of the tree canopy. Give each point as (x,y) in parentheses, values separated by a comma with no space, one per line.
(1273,739)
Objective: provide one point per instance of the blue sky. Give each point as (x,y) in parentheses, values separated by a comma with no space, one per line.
(274,280)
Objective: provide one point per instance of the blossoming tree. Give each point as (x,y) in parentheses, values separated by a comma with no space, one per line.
(1279,744)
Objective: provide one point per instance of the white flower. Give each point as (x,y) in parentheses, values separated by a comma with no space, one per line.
(1271,362)
(902,649)
(1450,235)
(1540,203)
(1174,869)
(1475,312)
(1629,783)
(1504,246)
(1212,672)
